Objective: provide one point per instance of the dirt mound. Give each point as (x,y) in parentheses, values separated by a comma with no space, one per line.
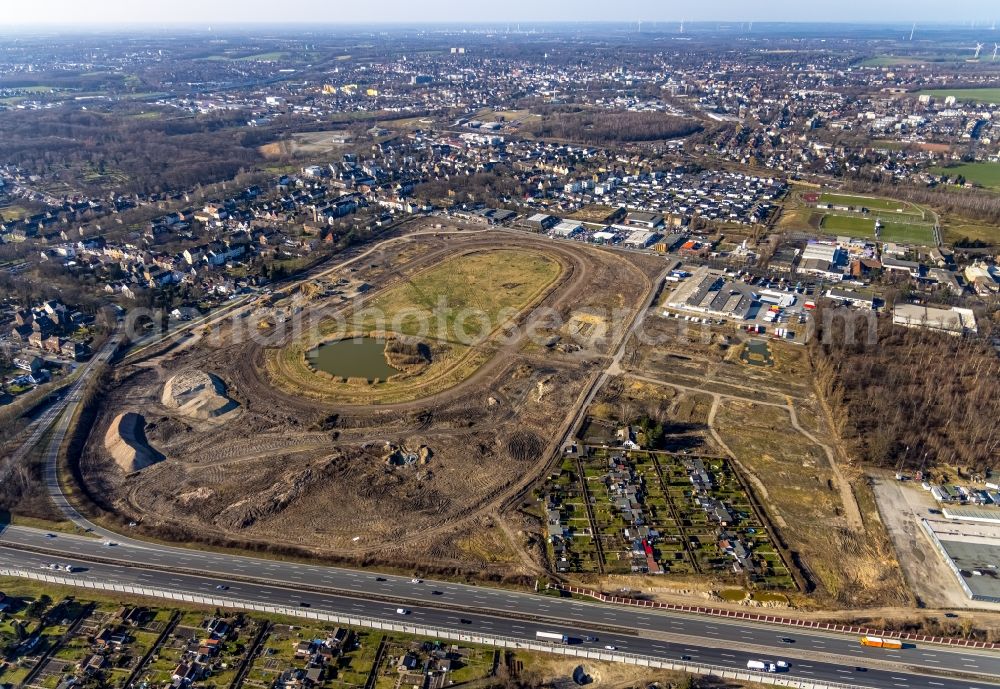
(525,446)
(407,355)
(198,395)
(126,442)
(262,505)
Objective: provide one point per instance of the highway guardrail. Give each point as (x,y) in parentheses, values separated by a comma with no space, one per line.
(480,638)
(772,619)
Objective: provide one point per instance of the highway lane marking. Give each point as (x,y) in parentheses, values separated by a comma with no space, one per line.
(936,684)
(727,655)
(806,672)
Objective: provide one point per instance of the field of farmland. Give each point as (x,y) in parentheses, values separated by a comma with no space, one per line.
(984,174)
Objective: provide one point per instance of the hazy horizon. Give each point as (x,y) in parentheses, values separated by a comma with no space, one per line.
(69,13)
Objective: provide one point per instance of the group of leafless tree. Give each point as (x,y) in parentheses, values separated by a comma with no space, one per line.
(91,149)
(913,398)
(602,127)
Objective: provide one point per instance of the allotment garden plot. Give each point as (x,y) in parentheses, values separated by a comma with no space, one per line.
(630,511)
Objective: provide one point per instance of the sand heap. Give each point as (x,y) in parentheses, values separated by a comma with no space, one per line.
(198,395)
(126,442)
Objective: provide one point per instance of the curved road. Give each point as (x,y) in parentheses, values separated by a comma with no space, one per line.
(814,655)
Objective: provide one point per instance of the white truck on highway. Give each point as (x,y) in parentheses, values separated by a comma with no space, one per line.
(552,636)
(761,666)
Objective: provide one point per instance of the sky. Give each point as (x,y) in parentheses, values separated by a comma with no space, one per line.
(158,12)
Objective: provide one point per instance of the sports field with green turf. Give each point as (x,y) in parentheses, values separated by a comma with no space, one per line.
(983,174)
(873,204)
(967,95)
(892,230)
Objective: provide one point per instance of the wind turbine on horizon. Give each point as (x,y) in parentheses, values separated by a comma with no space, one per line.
(996,48)
(913,30)
(979,49)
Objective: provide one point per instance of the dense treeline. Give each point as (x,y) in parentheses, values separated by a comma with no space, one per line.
(605,126)
(135,153)
(492,187)
(911,396)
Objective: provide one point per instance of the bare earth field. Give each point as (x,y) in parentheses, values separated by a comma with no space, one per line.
(762,411)
(304,144)
(426,479)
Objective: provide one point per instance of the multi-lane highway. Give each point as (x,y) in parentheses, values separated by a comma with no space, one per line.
(104,556)
(683,638)
(815,655)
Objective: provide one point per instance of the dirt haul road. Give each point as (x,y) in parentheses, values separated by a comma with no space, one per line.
(334,478)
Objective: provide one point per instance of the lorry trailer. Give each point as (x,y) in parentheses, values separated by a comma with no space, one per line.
(881,642)
(761,666)
(552,636)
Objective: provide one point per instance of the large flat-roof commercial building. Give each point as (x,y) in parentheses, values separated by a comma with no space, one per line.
(972,552)
(709,292)
(954,320)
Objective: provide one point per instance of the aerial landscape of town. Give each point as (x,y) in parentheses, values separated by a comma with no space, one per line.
(426,347)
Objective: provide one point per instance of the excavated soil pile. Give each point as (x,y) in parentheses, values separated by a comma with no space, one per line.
(198,395)
(126,442)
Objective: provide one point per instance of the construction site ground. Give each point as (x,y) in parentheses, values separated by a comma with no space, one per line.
(318,474)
